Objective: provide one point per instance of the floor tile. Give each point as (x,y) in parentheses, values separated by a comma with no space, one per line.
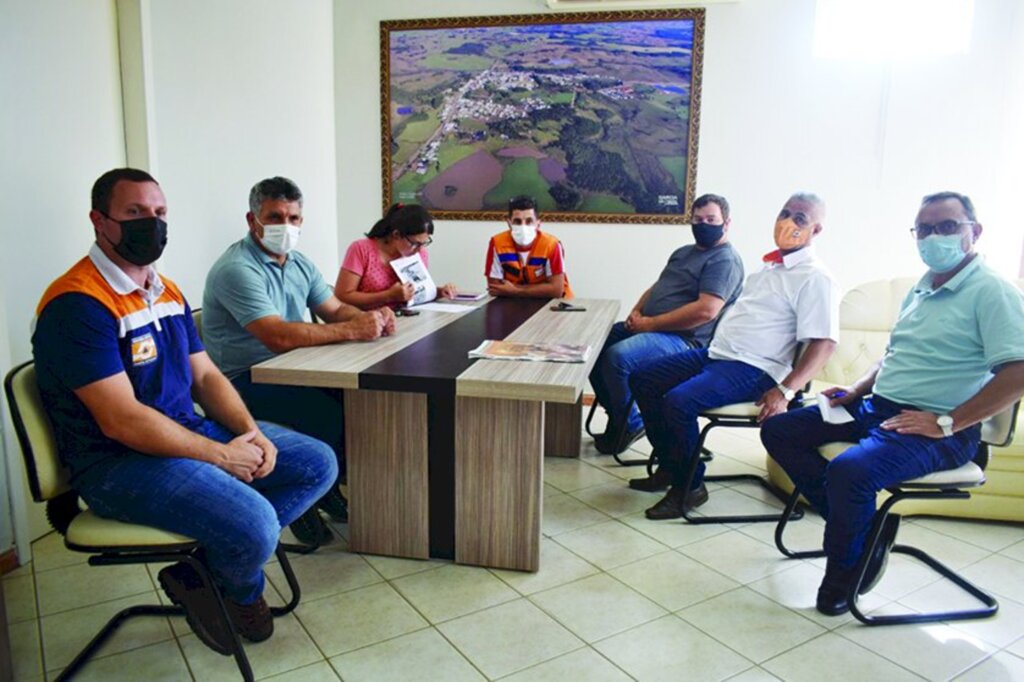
(934,651)
(671,649)
(805,663)
(20,571)
(615,499)
(673,581)
(582,664)
(329,570)
(998,574)
(1000,630)
(733,501)
(49,552)
(571,474)
(564,513)
(987,535)
(290,647)
(394,567)
(318,672)
(508,638)
(609,544)
(66,633)
(408,657)
(26,652)
(358,618)
(161,662)
(72,587)
(950,551)
(19,597)
(736,555)
(1017,648)
(558,566)
(755,674)
(753,625)
(453,591)
(804,534)
(597,607)
(675,532)
(904,575)
(1014,551)
(1002,666)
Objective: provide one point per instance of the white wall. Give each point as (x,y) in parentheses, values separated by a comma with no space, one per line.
(870,138)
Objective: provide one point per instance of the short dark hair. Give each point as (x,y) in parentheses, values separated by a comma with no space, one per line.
(716,199)
(964,200)
(408,219)
(522,202)
(274,188)
(103,188)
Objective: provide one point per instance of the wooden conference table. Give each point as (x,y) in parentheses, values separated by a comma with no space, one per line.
(444,453)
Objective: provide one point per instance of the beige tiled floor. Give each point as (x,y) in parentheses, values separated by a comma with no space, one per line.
(618,597)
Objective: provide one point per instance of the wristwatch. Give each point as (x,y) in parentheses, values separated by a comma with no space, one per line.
(945,423)
(786,392)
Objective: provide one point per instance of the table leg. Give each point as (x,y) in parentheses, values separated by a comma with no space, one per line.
(499,477)
(386,452)
(563,429)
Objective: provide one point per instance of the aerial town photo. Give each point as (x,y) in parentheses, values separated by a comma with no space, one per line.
(585,117)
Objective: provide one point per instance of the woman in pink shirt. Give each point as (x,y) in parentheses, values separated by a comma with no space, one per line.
(366,279)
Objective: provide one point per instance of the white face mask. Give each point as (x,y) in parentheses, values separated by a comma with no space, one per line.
(280,239)
(523,235)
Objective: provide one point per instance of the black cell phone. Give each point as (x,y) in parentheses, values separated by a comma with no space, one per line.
(566,307)
(406,312)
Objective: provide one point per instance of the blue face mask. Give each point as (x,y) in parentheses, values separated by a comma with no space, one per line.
(941,253)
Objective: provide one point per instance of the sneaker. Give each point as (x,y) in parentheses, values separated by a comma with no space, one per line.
(310,529)
(252,621)
(677,501)
(335,504)
(185,588)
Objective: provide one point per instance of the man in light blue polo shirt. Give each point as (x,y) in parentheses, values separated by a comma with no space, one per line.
(254,307)
(955,358)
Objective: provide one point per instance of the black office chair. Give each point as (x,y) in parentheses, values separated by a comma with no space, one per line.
(951,484)
(109,542)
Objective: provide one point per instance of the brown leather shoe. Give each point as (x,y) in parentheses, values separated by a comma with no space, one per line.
(185,588)
(252,621)
(661,480)
(676,501)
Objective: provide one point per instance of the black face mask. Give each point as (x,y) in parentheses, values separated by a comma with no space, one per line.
(142,240)
(707,235)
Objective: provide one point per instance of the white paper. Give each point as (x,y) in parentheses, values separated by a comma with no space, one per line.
(412,270)
(446,307)
(832,414)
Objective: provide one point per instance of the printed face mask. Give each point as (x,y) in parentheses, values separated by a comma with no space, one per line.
(941,253)
(790,236)
(280,239)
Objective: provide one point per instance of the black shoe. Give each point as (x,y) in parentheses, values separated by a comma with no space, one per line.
(252,621)
(335,504)
(613,443)
(185,588)
(310,529)
(676,501)
(834,590)
(880,557)
(660,480)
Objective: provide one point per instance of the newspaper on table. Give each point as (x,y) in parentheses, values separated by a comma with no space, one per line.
(412,270)
(536,352)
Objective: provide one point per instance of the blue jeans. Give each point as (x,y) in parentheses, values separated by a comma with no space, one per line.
(622,354)
(671,392)
(844,490)
(237,524)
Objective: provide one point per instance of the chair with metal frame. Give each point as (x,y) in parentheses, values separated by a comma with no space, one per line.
(109,542)
(950,484)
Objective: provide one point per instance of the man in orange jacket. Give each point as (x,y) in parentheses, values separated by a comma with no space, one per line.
(523,261)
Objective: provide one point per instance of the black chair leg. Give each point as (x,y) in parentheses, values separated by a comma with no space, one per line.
(780,529)
(590,418)
(293,583)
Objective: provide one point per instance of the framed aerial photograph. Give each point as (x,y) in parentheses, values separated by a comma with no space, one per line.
(595,115)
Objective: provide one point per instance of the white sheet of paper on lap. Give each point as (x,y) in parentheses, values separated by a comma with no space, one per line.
(411,269)
(832,414)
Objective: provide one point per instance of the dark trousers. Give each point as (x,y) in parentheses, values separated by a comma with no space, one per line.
(844,490)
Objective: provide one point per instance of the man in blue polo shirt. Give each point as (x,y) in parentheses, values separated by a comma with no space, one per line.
(678,312)
(254,307)
(955,358)
(119,364)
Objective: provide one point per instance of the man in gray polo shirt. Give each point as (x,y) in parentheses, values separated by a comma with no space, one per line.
(676,313)
(254,307)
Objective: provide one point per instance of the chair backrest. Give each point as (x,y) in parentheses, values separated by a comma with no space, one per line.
(866,318)
(197,320)
(47,476)
(998,429)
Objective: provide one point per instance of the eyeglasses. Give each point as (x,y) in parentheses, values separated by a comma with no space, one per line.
(945,228)
(416,246)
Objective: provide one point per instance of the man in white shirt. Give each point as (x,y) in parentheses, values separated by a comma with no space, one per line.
(793,300)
